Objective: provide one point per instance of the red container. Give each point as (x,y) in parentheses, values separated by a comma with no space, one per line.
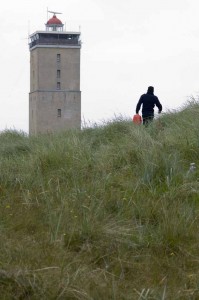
(137,119)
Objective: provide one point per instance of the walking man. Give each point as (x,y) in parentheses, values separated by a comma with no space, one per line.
(148,101)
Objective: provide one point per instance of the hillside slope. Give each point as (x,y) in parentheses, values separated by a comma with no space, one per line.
(110,212)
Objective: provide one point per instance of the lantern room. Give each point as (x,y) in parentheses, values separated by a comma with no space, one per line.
(54,24)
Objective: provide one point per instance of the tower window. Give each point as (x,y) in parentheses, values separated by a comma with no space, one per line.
(58,86)
(58,73)
(59,113)
(58,57)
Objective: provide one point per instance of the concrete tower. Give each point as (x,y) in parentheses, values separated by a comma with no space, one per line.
(55,97)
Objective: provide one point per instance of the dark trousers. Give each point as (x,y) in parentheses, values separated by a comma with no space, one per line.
(147,119)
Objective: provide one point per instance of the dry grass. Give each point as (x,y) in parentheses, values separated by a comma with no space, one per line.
(106,213)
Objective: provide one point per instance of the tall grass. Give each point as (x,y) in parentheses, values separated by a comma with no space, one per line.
(109,212)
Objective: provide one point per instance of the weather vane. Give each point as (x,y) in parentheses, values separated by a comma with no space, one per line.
(54,12)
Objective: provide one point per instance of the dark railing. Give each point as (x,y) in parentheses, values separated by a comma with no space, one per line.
(50,41)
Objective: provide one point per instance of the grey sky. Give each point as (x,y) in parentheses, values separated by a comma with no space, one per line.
(127,45)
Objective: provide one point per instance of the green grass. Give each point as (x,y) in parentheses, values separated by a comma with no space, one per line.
(108,212)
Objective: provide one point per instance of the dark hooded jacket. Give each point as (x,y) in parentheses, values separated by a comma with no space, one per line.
(148,102)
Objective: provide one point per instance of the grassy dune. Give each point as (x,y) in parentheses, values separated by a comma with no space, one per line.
(110,212)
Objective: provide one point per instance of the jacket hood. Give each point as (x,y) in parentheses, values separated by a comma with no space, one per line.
(150,90)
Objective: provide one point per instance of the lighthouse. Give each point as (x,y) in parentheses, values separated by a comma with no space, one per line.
(55,96)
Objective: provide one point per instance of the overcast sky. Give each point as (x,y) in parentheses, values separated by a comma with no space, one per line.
(126,46)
